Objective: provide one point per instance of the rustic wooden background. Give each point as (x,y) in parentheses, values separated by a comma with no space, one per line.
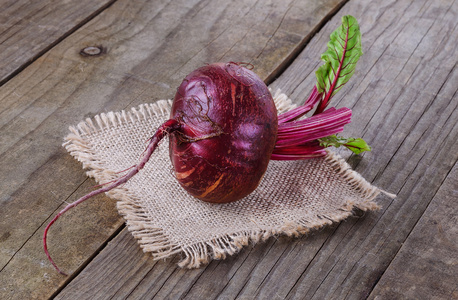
(404,97)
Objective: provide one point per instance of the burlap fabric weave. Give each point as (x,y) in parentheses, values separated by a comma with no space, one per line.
(293,198)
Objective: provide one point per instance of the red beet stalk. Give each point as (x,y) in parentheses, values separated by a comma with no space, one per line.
(298,139)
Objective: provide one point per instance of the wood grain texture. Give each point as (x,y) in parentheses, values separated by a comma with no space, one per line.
(30,28)
(404,96)
(427,263)
(404,101)
(150,46)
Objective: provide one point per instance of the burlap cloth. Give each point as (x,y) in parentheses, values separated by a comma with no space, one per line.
(293,198)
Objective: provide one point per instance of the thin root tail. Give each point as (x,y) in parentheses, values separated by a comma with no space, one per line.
(167,127)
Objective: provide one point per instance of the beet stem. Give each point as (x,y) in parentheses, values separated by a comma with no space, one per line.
(300,111)
(297,140)
(167,127)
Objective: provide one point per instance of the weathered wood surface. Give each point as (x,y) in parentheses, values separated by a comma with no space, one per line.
(30,28)
(150,46)
(404,96)
(427,263)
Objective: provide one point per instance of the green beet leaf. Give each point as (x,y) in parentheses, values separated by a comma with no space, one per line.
(344,51)
(357,145)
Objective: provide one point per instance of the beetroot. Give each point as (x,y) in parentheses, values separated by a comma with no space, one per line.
(223,131)
(224,128)
(228,132)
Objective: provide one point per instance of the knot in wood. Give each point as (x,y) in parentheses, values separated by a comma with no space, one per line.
(93,51)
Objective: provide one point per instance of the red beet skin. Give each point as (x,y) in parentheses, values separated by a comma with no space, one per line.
(228,132)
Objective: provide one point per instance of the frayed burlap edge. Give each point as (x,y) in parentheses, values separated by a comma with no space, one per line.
(152,239)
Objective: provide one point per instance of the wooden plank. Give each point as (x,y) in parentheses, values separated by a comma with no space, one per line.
(30,28)
(404,100)
(150,46)
(403,73)
(427,264)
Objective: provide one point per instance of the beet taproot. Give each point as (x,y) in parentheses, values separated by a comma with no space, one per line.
(228,132)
